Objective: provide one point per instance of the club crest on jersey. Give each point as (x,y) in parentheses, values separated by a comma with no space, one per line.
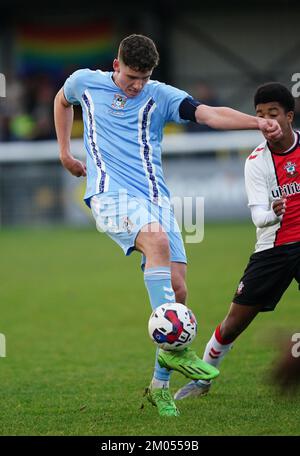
(291,169)
(118,101)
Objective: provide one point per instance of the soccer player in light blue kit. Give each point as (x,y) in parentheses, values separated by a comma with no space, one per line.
(124,113)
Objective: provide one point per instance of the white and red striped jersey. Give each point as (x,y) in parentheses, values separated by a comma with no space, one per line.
(269,176)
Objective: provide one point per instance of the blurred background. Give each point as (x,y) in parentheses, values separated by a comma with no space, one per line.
(219,53)
(73,311)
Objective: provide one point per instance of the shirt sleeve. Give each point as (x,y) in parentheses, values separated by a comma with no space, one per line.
(168,100)
(262,216)
(75,86)
(256,184)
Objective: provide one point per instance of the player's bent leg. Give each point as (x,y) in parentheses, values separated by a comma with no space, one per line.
(153,242)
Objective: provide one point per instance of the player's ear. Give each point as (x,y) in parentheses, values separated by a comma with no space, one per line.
(116,65)
(290,116)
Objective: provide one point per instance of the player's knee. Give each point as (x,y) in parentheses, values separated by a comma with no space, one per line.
(153,241)
(159,242)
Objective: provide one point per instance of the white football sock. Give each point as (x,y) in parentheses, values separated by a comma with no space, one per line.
(216,349)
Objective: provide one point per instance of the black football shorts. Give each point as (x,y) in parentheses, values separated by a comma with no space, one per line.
(267,276)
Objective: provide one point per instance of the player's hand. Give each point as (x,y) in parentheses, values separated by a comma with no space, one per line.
(270,128)
(74,166)
(279,206)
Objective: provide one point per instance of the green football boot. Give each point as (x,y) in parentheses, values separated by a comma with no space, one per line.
(187,363)
(163,400)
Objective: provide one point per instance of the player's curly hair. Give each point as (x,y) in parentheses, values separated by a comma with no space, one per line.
(138,52)
(274,91)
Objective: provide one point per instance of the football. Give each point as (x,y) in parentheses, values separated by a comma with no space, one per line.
(172,326)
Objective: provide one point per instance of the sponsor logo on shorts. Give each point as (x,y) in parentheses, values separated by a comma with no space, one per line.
(127,225)
(240,288)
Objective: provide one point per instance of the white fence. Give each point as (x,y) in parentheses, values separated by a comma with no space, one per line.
(179,143)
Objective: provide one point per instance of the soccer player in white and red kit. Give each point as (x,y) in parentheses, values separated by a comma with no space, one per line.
(272,179)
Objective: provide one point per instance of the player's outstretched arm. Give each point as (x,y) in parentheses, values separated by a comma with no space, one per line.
(224,118)
(63,119)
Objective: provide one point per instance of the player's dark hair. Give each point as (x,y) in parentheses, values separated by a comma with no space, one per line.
(139,53)
(274,91)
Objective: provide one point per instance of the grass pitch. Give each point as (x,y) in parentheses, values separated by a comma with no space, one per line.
(74,312)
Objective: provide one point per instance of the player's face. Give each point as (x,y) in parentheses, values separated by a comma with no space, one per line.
(274,110)
(130,81)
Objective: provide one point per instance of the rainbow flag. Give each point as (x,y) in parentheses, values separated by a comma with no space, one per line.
(55,47)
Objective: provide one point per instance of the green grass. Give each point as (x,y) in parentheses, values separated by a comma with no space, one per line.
(74,312)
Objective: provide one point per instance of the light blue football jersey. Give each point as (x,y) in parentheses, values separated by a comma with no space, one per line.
(122,135)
